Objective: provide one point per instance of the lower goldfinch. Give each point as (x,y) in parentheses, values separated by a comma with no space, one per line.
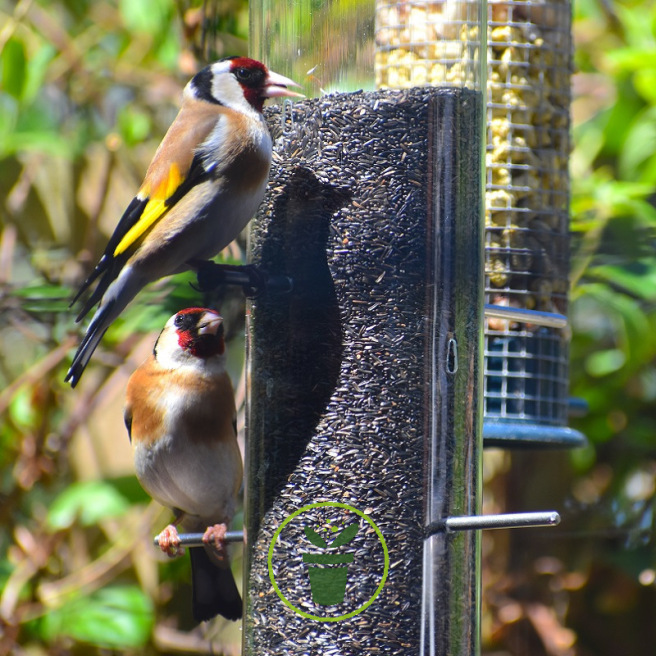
(180,416)
(204,184)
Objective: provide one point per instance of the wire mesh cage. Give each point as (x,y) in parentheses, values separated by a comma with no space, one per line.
(526,375)
(427,43)
(527,196)
(526,188)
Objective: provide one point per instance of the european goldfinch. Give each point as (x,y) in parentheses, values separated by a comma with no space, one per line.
(180,416)
(205,182)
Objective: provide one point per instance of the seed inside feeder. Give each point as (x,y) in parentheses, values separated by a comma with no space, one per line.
(375,214)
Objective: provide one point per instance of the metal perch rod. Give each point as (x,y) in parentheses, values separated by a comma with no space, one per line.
(451,524)
(196,539)
(488,522)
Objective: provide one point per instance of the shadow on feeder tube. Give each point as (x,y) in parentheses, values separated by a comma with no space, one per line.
(295,339)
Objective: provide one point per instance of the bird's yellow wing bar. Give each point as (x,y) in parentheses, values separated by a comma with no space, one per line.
(153,210)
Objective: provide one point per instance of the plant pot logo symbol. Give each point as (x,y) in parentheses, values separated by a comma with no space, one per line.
(329,571)
(328,561)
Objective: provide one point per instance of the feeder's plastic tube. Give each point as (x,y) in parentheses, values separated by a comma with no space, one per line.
(365,380)
(451,562)
(324,46)
(443,44)
(437,43)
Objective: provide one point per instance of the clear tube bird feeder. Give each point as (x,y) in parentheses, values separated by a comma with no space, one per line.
(364,388)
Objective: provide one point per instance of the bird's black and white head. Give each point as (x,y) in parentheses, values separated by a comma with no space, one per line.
(240,83)
(192,337)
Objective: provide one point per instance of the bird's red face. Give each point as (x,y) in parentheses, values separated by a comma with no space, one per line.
(200,332)
(258,83)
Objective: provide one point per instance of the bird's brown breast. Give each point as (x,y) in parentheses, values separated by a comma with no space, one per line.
(198,408)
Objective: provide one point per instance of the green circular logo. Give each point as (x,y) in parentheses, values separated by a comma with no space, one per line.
(312,506)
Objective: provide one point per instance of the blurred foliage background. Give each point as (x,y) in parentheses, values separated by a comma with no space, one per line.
(587,588)
(87,89)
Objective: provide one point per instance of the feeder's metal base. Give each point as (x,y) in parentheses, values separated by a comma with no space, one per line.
(518,435)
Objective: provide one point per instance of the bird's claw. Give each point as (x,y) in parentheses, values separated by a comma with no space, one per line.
(250,278)
(214,536)
(169,542)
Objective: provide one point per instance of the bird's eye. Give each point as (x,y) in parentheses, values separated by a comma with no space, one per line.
(185,320)
(244,74)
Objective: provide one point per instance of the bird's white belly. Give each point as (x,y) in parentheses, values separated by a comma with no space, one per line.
(197,478)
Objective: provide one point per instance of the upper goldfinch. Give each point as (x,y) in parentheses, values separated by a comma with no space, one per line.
(205,182)
(180,416)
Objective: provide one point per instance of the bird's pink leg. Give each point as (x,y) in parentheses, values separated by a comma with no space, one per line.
(215,536)
(169,541)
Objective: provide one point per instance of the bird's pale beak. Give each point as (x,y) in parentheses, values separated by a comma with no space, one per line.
(275,86)
(209,324)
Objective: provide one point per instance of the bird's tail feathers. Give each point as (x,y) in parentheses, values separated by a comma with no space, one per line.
(100,268)
(97,328)
(109,269)
(114,299)
(214,590)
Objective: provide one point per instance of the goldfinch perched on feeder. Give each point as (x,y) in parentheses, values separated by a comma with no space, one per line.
(180,416)
(205,182)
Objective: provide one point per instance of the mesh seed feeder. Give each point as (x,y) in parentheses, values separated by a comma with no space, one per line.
(527,223)
(365,386)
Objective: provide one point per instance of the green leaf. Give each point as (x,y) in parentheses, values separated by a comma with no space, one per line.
(345,536)
(637,278)
(645,83)
(633,59)
(42,290)
(605,362)
(44,141)
(639,144)
(22,410)
(13,68)
(637,25)
(315,538)
(618,322)
(148,16)
(44,297)
(88,502)
(134,125)
(37,71)
(114,617)
(129,488)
